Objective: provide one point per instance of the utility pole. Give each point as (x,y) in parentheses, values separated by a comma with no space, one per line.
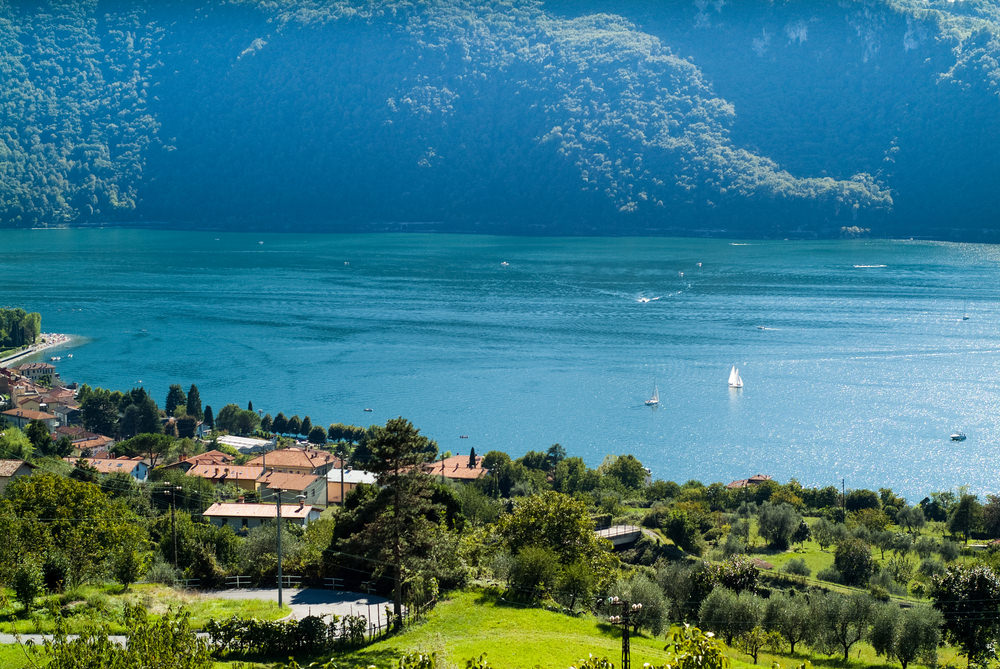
(843,497)
(625,620)
(277,491)
(172,491)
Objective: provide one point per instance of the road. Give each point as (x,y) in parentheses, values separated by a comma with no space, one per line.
(304,602)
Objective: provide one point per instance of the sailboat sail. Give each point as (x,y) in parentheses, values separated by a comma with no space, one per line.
(655,399)
(734,378)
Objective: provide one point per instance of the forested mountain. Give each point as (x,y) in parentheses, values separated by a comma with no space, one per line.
(757,118)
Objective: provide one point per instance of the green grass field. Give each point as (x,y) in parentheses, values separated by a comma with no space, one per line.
(104,605)
(471,623)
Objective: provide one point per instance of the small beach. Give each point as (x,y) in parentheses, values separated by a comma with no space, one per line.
(46,341)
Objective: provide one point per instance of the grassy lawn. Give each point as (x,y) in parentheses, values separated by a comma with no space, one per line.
(104,604)
(514,637)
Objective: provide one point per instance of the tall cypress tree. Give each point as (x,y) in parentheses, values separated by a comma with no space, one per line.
(209,418)
(194,403)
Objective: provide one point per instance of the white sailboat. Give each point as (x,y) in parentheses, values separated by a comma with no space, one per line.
(734,378)
(655,399)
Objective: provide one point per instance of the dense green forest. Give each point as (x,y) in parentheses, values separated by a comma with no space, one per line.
(614,116)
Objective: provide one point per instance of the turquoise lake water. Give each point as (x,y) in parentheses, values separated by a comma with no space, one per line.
(860,372)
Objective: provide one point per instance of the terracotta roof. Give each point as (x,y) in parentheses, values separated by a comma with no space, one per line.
(457,467)
(29,414)
(8,467)
(299,482)
(92,442)
(71,431)
(109,465)
(223,472)
(238,510)
(302,458)
(212,457)
(756,479)
(34,365)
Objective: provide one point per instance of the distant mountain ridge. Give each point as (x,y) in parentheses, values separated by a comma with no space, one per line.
(756,118)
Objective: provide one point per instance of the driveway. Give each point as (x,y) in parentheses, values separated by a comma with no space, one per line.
(315,601)
(304,602)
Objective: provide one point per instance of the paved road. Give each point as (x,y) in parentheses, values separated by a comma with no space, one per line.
(304,602)
(315,601)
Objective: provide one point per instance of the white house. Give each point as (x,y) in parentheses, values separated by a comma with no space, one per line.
(247,516)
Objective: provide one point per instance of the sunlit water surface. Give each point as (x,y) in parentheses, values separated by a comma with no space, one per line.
(856,359)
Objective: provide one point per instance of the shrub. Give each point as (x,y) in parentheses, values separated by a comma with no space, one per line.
(27,582)
(931,567)
(534,570)
(830,574)
(796,566)
(161,571)
(949,551)
(55,571)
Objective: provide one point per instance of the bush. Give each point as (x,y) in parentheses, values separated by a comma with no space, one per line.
(161,571)
(949,551)
(639,589)
(534,571)
(830,574)
(27,582)
(931,567)
(796,566)
(277,638)
(55,571)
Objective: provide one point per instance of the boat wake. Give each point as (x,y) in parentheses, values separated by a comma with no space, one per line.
(869,266)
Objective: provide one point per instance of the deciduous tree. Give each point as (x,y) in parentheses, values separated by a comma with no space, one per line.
(969,599)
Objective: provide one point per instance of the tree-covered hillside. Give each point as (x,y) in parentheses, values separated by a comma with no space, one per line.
(580,117)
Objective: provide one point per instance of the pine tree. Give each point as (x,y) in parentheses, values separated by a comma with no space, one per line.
(306,426)
(209,418)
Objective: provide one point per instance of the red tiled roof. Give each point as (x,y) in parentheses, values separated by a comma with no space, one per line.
(756,479)
(283,481)
(29,414)
(223,473)
(300,458)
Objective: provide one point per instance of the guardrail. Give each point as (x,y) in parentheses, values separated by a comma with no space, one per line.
(618,531)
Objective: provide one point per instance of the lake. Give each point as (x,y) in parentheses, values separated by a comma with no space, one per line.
(856,360)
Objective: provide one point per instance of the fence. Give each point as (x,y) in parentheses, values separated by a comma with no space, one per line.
(237,581)
(378,629)
(333,583)
(289,580)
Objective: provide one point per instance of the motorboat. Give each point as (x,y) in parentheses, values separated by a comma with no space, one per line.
(958,436)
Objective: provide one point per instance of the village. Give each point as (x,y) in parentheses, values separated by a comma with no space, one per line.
(248,468)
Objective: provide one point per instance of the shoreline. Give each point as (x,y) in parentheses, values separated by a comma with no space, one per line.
(49,340)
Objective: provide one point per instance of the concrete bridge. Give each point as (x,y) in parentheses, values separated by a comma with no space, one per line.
(620,535)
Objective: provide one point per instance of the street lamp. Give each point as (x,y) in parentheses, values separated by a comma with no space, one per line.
(625,621)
